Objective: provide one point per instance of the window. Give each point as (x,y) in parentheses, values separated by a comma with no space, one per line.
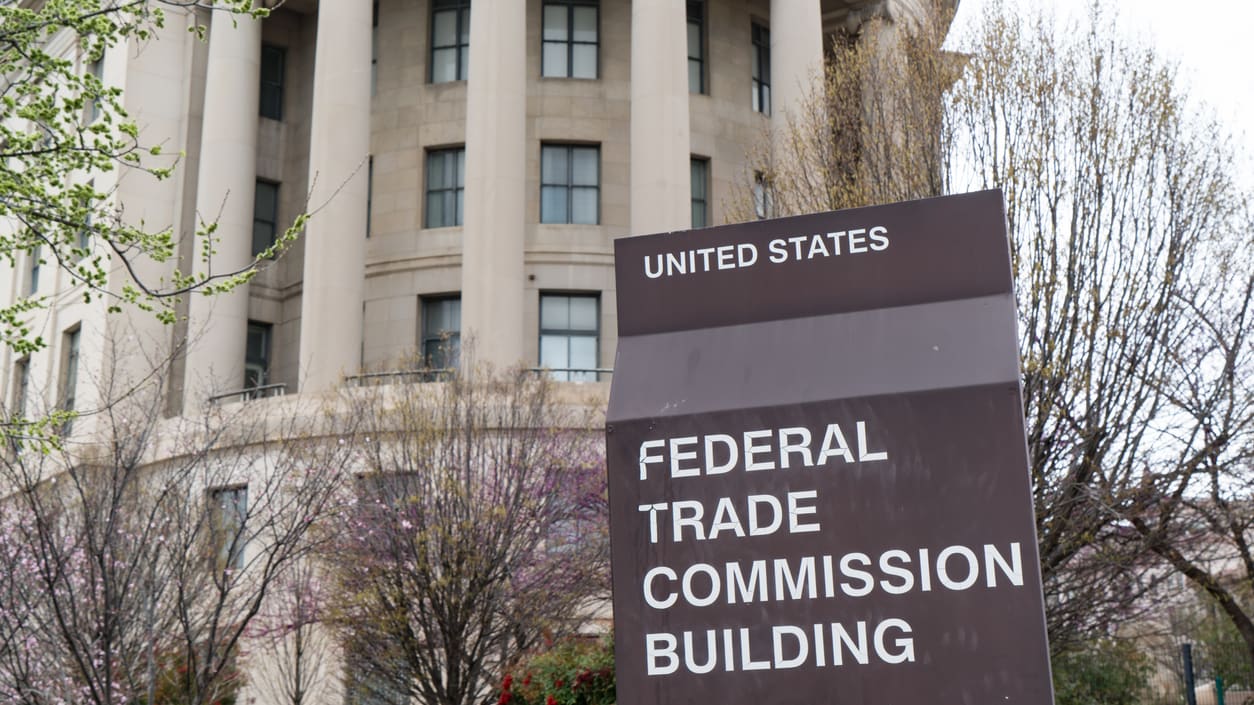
(228,516)
(696,46)
(32,274)
(69,368)
(374,47)
(761,69)
(257,355)
(91,106)
(761,196)
(441,332)
(272,60)
(84,232)
(446,183)
(569,336)
(570,39)
(570,184)
(265,215)
(369,191)
(21,386)
(450,40)
(700,192)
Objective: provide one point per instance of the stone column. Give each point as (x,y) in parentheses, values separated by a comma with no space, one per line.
(335,238)
(661,183)
(218,325)
(496,183)
(796,59)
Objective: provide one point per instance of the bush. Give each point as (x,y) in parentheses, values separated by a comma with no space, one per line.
(573,672)
(1105,672)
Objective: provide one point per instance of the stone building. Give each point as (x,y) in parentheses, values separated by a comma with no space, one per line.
(467,167)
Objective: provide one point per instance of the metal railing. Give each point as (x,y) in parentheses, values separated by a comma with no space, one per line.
(263,391)
(365,379)
(561,374)
(571,373)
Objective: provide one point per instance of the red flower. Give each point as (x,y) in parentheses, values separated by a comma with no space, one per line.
(552,700)
(504,699)
(527,679)
(509,680)
(558,684)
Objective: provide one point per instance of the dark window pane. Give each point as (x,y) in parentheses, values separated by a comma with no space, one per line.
(265,215)
(445,185)
(257,355)
(272,73)
(441,332)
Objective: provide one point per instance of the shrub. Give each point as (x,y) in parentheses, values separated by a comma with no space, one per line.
(573,672)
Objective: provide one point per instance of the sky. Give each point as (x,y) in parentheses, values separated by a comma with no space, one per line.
(1211,40)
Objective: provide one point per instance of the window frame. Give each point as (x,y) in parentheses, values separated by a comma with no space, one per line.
(763,206)
(457,191)
(461,27)
(569,186)
(570,42)
(85,232)
(587,374)
(374,48)
(262,364)
(21,385)
(369,192)
(439,344)
(67,392)
(91,106)
(695,11)
(272,223)
(273,51)
(35,260)
(228,548)
(699,165)
(760,36)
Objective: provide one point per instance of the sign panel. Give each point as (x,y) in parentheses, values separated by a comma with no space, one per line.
(818,476)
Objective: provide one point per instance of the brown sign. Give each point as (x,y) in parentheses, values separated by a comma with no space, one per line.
(818,477)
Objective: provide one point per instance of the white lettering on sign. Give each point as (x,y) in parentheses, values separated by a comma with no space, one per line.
(790,646)
(757,450)
(895,572)
(796,248)
(764,515)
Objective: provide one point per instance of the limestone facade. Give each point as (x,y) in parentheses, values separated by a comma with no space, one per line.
(343,110)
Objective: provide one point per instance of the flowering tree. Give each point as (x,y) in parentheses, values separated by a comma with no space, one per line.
(62,127)
(479,528)
(125,579)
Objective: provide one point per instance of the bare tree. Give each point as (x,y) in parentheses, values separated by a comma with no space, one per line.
(870,131)
(1194,505)
(1120,198)
(294,648)
(479,528)
(139,558)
